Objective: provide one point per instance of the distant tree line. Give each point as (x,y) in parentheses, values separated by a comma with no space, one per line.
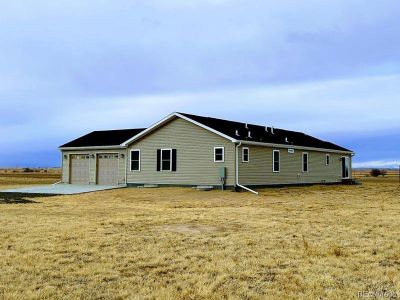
(378,172)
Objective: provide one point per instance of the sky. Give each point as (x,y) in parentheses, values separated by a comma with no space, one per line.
(328,68)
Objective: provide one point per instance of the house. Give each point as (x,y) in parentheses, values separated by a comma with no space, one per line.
(189,150)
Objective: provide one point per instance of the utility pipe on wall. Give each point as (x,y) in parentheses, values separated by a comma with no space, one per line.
(237,171)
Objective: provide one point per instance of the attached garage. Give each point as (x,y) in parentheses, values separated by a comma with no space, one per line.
(107,169)
(79,169)
(97,158)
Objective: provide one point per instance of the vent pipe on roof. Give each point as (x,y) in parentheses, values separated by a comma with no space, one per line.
(286,140)
(237,133)
(246,126)
(272,130)
(266,128)
(249,135)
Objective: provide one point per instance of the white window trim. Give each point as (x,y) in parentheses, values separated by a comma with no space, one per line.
(223,155)
(327,157)
(140,160)
(170,160)
(273,161)
(248,155)
(302,162)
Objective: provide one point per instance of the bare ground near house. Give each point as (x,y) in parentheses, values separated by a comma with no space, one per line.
(175,243)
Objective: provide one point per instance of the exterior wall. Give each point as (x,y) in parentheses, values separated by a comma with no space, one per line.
(195,156)
(259,170)
(93,164)
(196,166)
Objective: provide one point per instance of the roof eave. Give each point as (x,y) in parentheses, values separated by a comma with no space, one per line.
(206,127)
(168,118)
(294,147)
(92,147)
(148,130)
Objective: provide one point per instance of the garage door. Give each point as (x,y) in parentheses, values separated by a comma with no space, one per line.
(107,169)
(79,169)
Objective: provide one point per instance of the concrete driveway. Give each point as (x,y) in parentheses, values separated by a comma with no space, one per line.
(60,189)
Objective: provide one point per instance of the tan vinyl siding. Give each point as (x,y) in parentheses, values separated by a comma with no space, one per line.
(93,164)
(195,156)
(259,170)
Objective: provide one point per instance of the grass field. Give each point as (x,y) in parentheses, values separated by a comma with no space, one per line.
(361,173)
(10,178)
(327,242)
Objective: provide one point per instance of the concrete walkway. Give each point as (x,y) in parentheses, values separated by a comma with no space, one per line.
(60,189)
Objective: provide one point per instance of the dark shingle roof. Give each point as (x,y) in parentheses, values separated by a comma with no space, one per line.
(104,138)
(259,133)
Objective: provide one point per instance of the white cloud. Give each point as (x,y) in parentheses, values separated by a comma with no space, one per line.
(68,66)
(355,105)
(338,107)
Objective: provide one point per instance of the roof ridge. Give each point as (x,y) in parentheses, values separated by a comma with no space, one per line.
(244,123)
(100,138)
(124,129)
(277,136)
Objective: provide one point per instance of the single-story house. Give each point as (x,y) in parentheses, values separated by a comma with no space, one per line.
(190,150)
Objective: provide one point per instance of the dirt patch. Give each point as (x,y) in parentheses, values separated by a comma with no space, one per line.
(190,228)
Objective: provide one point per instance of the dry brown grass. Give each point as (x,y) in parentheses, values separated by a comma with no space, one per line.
(326,242)
(18,179)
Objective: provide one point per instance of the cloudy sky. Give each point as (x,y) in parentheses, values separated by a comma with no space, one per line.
(329,68)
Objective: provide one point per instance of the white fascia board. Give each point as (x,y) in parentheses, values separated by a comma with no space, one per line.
(207,128)
(168,118)
(148,130)
(294,147)
(92,148)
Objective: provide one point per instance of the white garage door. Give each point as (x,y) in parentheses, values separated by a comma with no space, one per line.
(79,169)
(107,169)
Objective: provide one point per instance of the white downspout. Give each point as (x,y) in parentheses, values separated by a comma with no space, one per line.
(237,171)
(127,160)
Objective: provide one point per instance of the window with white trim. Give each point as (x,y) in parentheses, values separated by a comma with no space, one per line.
(328,160)
(135,160)
(219,154)
(245,155)
(305,162)
(166,159)
(276,161)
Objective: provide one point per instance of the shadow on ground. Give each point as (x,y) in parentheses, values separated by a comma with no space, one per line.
(20,198)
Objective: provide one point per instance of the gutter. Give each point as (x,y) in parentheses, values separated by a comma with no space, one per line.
(237,171)
(294,147)
(92,148)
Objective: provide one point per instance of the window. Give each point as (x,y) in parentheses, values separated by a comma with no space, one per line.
(166,160)
(305,162)
(108,156)
(276,164)
(135,160)
(328,160)
(246,155)
(219,155)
